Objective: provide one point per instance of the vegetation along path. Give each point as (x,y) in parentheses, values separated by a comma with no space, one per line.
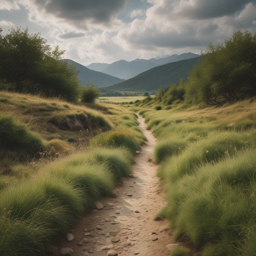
(126,225)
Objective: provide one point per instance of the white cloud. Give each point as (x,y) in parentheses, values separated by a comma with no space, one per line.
(9,5)
(136,13)
(90,31)
(161,29)
(5,23)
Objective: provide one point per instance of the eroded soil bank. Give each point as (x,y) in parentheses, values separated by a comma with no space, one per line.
(126,223)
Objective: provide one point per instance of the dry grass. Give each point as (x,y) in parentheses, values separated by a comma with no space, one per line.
(36,112)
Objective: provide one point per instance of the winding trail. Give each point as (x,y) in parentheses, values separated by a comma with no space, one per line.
(128,218)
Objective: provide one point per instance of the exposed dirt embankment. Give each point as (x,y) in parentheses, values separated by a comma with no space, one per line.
(126,225)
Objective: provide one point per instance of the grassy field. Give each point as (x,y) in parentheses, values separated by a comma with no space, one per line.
(207,168)
(56,160)
(121,99)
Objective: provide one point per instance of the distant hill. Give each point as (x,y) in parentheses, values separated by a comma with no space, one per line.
(88,76)
(161,75)
(125,70)
(97,66)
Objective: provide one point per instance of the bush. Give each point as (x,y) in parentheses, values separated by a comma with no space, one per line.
(117,139)
(89,94)
(16,137)
(158,107)
(227,72)
(167,148)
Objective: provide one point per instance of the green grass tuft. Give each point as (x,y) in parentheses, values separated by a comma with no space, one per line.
(167,148)
(180,251)
(17,138)
(39,208)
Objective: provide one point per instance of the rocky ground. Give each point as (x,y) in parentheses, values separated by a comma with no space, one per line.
(124,224)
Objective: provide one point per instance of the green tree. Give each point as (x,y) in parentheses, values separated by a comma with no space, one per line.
(89,94)
(20,54)
(227,72)
(160,93)
(32,66)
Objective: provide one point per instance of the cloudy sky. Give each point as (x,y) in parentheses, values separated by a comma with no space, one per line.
(108,30)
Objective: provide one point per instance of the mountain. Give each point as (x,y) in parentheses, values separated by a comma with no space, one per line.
(174,58)
(162,61)
(88,76)
(153,78)
(126,70)
(97,66)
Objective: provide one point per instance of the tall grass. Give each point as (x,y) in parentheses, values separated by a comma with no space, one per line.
(126,135)
(207,167)
(36,210)
(167,148)
(216,204)
(16,137)
(212,149)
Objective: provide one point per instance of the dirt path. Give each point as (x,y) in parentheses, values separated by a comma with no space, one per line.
(128,218)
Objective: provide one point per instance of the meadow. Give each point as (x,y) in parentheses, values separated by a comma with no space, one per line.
(207,158)
(53,171)
(124,99)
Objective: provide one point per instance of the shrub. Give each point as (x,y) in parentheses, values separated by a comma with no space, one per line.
(16,137)
(89,94)
(167,148)
(227,72)
(158,107)
(117,139)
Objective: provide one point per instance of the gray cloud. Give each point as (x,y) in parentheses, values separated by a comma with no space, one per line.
(71,35)
(212,9)
(198,9)
(163,30)
(82,12)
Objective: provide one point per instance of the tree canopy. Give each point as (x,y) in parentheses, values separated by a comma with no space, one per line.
(227,72)
(28,62)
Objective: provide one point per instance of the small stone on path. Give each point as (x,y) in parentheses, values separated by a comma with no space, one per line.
(129,195)
(99,227)
(114,194)
(170,247)
(65,251)
(112,253)
(107,247)
(90,250)
(99,205)
(69,237)
(113,233)
(85,240)
(115,240)
(137,211)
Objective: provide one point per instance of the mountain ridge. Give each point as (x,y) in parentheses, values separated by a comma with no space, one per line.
(163,75)
(88,76)
(125,70)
